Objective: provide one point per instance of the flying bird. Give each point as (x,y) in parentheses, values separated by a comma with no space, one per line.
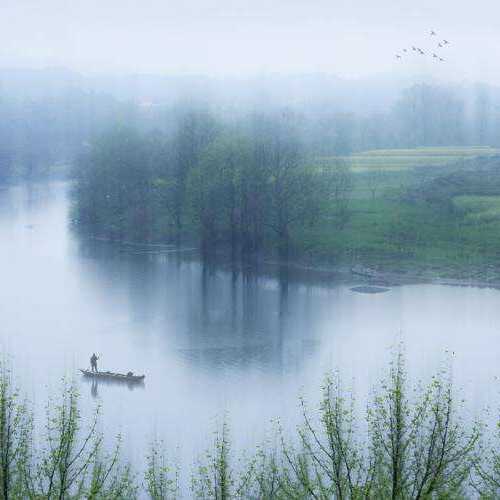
(405,50)
(440,45)
(433,33)
(441,59)
(435,56)
(446,42)
(398,56)
(414,48)
(421,52)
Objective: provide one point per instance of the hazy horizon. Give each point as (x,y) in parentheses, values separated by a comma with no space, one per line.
(240,38)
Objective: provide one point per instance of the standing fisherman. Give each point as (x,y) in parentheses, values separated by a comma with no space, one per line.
(93,362)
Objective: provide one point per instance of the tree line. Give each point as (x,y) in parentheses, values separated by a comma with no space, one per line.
(45,126)
(246,185)
(42,135)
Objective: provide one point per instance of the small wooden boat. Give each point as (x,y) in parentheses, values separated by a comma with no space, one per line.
(129,377)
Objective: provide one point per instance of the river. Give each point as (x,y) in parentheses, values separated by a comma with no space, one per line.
(213,342)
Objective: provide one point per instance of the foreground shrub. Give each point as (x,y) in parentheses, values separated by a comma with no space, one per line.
(420,447)
(161,481)
(70,461)
(486,480)
(216,477)
(410,444)
(413,447)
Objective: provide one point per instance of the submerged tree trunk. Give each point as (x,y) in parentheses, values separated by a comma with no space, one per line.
(284,243)
(208,236)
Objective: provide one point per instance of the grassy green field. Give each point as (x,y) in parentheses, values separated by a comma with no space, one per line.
(385,228)
(402,159)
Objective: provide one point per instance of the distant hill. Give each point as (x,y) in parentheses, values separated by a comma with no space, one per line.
(475,177)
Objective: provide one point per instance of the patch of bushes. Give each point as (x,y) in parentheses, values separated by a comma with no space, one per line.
(411,443)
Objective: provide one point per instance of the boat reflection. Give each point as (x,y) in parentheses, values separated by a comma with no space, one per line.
(95,383)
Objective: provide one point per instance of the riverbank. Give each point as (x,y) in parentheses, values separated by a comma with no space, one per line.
(475,278)
(383,273)
(440,225)
(433,224)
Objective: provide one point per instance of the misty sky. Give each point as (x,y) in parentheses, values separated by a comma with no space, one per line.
(348,38)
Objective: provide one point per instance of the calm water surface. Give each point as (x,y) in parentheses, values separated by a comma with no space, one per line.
(211,341)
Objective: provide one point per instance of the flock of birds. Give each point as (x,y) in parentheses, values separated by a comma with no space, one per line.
(441,44)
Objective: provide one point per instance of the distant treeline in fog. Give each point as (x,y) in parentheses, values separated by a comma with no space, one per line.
(48,118)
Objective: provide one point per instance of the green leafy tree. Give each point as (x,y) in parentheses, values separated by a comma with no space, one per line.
(71,463)
(216,191)
(113,188)
(161,480)
(420,447)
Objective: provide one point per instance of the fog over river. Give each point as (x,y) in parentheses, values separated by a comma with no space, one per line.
(212,341)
